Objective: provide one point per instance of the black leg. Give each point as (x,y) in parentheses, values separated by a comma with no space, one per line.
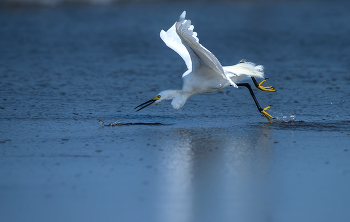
(261,110)
(255,82)
(251,93)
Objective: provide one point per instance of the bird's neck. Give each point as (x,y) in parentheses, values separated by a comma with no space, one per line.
(179,98)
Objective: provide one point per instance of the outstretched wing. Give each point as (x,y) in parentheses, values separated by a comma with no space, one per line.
(173,41)
(199,54)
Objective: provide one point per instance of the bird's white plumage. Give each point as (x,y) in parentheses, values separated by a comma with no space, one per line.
(173,41)
(183,40)
(205,73)
(198,53)
(244,69)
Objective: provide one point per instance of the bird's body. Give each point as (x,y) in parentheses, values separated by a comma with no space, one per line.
(205,74)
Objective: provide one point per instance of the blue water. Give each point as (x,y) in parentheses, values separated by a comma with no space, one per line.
(63,68)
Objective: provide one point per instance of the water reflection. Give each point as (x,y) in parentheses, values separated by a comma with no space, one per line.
(216,174)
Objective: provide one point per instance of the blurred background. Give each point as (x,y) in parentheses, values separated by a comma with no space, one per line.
(107,2)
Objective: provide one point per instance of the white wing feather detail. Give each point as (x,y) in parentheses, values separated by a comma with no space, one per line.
(183,40)
(198,53)
(173,41)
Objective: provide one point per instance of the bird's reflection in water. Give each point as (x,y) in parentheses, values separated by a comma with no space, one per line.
(216,174)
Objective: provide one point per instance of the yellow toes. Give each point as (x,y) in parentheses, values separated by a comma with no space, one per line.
(266,88)
(268,116)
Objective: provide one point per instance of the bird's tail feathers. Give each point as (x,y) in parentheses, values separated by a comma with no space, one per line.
(244,69)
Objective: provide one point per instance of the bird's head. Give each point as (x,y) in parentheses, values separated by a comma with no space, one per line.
(162,96)
(179,99)
(148,103)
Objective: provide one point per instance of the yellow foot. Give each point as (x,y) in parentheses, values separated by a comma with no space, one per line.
(268,116)
(266,88)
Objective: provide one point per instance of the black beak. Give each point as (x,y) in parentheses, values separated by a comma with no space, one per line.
(144,105)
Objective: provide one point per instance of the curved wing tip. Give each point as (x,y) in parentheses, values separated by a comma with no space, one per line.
(162,35)
(182,16)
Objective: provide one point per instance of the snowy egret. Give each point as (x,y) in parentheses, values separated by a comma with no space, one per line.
(205,73)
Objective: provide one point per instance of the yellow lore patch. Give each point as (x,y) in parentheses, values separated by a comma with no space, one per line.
(156,98)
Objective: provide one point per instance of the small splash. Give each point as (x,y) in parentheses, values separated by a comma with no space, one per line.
(285,117)
(127,124)
(114,124)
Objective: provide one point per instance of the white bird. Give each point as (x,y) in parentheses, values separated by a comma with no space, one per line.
(205,73)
